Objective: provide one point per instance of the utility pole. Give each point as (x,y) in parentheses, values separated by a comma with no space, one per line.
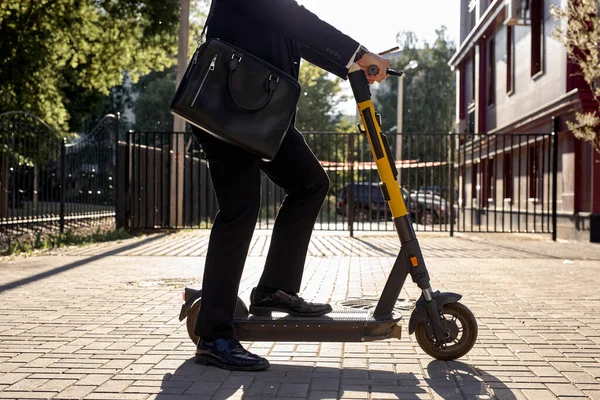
(177,157)
(399,117)
(400,114)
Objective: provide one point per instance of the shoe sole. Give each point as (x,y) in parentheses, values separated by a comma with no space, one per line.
(266,312)
(207,360)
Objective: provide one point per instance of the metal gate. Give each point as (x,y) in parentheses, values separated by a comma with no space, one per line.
(50,184)
(450,182)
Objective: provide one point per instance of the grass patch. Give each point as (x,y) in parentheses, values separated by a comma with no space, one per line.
(38,242)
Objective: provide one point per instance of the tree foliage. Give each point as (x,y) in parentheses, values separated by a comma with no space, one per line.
(151,107)
(319,98)
(580,33)
(55,54)
(429,91)
(428,104)
(152,94)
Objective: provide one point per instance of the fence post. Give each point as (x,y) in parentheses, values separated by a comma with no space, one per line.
(555,130)
(350,192)
(63,184)
(117,174)
(128,184)
(452,140)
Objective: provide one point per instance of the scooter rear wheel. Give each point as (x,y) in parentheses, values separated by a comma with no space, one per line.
(240,311)
(190,321)
(461,324)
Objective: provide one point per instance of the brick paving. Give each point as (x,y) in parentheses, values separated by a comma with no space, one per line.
(100,322)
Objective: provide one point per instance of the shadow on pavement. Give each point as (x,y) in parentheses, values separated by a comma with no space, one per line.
(447,380)
(469,382)
(384,252)
(79,263)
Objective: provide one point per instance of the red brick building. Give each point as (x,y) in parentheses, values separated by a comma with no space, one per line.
(514,77)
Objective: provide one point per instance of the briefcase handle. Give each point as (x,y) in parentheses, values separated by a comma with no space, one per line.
(271,85)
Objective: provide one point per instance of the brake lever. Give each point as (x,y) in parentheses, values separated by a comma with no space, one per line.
(383,53)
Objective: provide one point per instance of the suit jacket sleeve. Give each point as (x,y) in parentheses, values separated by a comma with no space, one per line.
(322,44)
(321,61)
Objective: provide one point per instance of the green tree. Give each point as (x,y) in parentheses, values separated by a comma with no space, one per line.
(58,54)
(151,108)
(153,92)
(319,98)
(429,91)
(582,40)
(318,112)
(429,103)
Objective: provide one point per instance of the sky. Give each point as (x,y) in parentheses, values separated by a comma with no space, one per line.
(375,24)
(377,29)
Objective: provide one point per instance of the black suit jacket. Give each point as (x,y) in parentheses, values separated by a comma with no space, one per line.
(281,32)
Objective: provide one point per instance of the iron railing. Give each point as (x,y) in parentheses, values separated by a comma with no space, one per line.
(47,183)
(505,183)
(450,182)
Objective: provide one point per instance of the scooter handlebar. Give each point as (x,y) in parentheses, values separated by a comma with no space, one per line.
(374,70)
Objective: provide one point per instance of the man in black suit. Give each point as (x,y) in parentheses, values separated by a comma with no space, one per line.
(280,32)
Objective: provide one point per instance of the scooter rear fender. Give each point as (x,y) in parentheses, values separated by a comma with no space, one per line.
(190,296)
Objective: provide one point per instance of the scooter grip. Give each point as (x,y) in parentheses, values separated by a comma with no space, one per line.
(374,70)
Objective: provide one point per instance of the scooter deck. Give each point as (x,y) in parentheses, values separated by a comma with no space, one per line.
(340,325)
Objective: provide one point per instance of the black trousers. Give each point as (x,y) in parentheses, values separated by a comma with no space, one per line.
(235,174)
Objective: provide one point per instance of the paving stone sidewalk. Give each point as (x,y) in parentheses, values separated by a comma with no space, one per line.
(100,322)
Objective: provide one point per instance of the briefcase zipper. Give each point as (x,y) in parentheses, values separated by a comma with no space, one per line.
(194,62)
(210,68)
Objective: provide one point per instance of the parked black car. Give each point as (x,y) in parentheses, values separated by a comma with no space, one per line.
(369,204)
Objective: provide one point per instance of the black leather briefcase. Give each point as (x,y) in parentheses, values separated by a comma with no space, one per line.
(237,98)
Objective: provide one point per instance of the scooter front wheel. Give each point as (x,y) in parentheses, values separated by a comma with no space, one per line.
(462,326)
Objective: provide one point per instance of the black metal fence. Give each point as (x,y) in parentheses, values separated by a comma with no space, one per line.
(450,182)
(49,184)
(505,183)
(167,185)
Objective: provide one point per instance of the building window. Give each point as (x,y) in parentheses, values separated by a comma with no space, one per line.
(472,14)
(474,184)
(507,176)
(462,201)
(510,60)
(473,80)
(491,72)
(533,172)
(471,120)
(490,182)
(462,104)
(537,36)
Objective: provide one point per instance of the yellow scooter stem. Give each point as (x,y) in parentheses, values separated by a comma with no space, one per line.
(378,143)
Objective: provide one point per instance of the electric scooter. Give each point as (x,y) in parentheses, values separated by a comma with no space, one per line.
(444,328)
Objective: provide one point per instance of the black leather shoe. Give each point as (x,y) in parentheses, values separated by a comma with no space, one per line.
(262,304)
(228,353)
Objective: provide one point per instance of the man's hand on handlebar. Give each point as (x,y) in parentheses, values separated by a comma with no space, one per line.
(374,59)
